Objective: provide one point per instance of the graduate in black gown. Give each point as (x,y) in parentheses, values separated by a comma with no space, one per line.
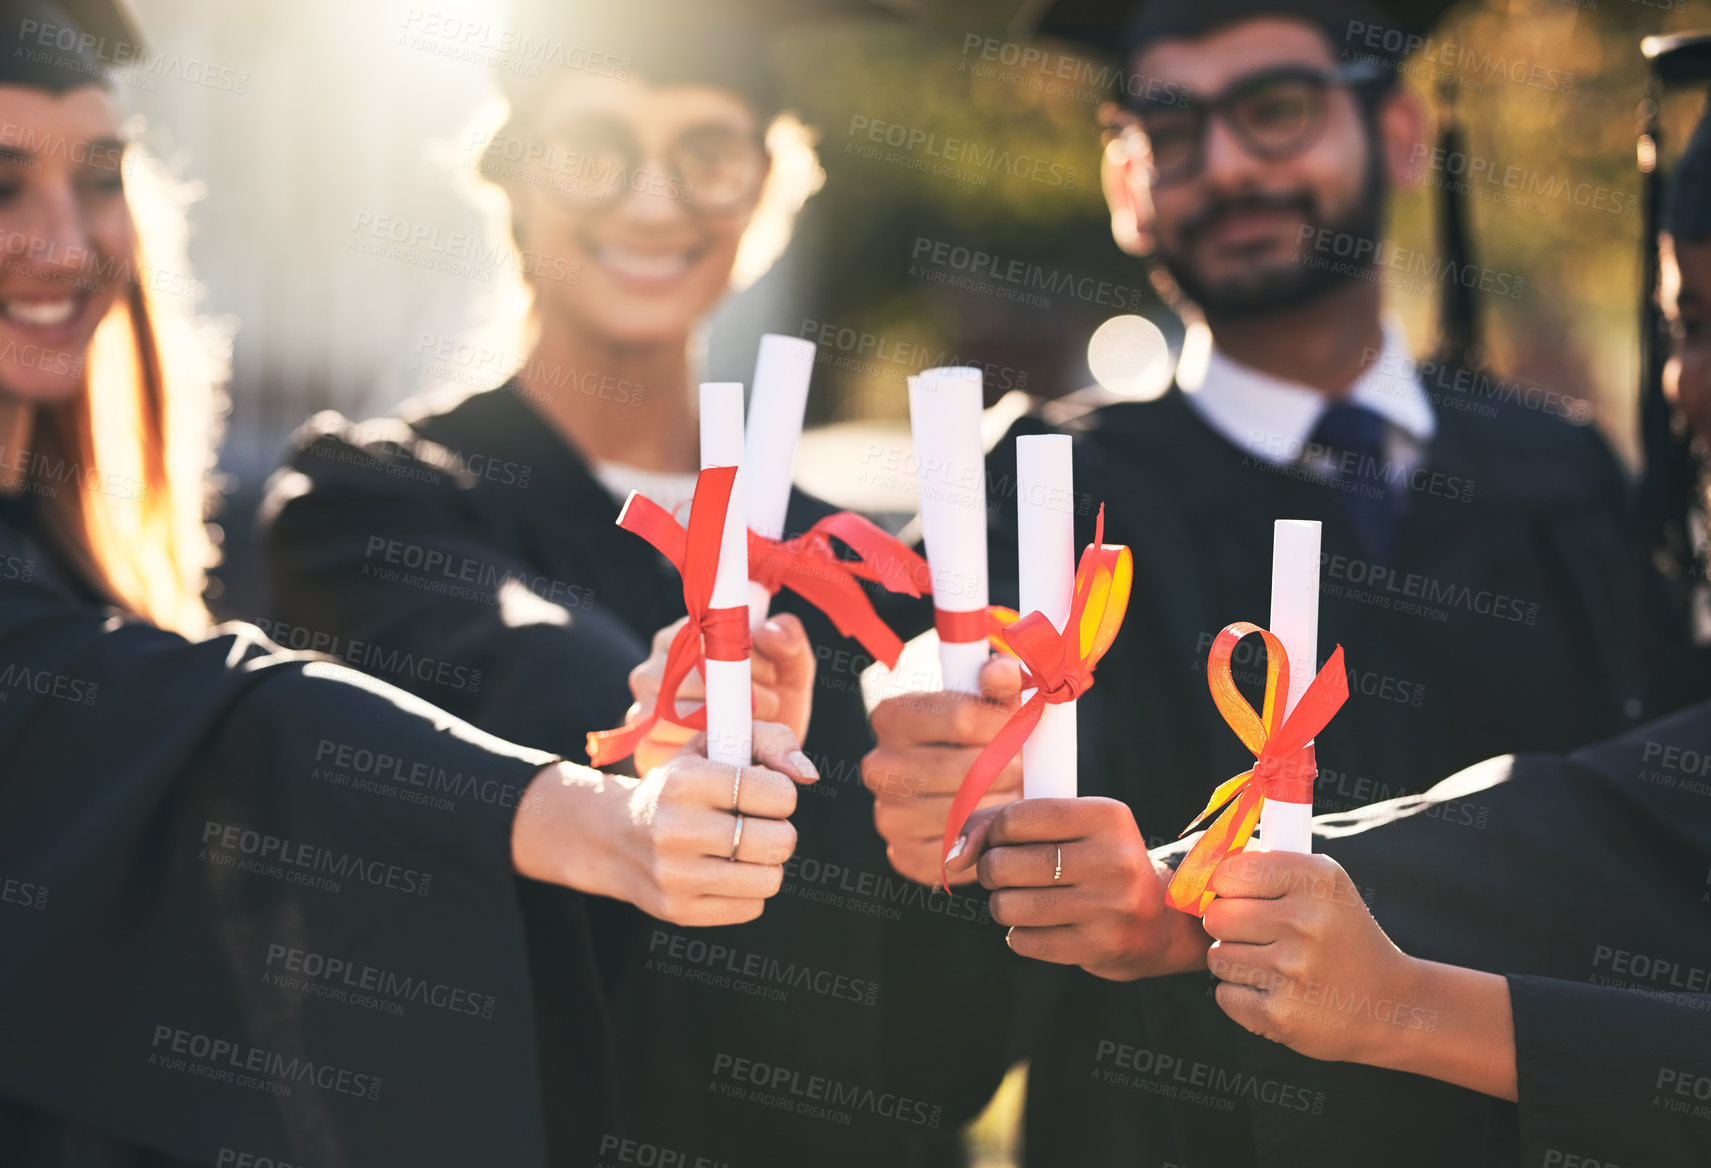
(1477,553)
(1537,986)
(732,1043)
(256,907)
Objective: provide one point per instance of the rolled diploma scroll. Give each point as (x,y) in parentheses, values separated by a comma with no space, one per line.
(1045,532)
(1288,827)
(944,417)
(730,719)
(780,396)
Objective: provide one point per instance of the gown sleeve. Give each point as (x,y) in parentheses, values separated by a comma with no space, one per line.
(403,561)
(252,903)
(1611,1076)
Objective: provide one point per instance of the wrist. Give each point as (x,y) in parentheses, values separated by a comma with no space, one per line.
(566,827)
(1467,1036)
(1169,941)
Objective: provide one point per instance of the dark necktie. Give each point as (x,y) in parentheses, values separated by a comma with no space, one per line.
(1351,438)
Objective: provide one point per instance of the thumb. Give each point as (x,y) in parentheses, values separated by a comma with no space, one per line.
(968,846)
(1001,680)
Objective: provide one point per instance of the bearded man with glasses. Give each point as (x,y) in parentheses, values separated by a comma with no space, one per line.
(1476,563)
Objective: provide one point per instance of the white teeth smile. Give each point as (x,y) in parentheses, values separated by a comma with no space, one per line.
(41,313)
(644,265)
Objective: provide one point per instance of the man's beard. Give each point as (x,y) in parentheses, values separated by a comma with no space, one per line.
(1293,283)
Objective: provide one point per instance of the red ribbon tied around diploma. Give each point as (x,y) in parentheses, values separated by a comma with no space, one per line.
(977,624)
(1284,767)
(1058,667)
(810,567)
(718,634)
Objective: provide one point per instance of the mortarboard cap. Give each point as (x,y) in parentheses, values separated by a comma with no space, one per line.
(65,44)
(1387,30)
(720,43)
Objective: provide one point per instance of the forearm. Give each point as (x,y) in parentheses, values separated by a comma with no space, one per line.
(1468,1038)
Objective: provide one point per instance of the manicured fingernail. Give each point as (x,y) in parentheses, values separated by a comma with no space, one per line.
(803,764)
(956,848)
(774,627)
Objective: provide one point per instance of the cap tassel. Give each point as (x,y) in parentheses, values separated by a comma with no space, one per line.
(1667,488)
(1458,309)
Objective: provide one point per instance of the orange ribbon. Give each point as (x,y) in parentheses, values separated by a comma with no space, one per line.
(695,554)
(810,567)
(1283,756)
(1058,667)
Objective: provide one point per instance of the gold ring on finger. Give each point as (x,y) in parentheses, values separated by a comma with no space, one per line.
(737,838)
(1057,870)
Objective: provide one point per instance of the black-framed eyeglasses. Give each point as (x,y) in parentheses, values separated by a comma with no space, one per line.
(1276,114)
(593,164)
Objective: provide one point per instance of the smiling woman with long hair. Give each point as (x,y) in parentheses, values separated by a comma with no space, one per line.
(254,905)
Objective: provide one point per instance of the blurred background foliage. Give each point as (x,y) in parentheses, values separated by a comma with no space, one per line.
(348,116)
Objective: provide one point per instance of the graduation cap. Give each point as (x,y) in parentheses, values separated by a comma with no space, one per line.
(1683,208)
(1382,31)
(64,44)
(720,43)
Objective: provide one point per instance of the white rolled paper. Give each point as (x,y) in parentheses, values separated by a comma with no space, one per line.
(782,369)
(730,719)
(1045,533)
(1288,827)
(944,418)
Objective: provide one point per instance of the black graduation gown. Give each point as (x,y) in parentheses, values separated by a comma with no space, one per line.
(1586,880)
(228,925)
(1514,618)
(753,1045)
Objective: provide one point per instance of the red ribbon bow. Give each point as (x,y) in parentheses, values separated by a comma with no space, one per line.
(810,567)
(1058,667)
(721,634)
(1283,769)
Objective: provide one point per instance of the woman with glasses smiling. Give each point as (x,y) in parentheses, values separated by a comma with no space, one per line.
(642,189)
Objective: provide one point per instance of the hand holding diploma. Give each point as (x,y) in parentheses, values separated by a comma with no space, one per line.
(669,842)
(1073,880)
(927,742)
(782,682)
(1302,962)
